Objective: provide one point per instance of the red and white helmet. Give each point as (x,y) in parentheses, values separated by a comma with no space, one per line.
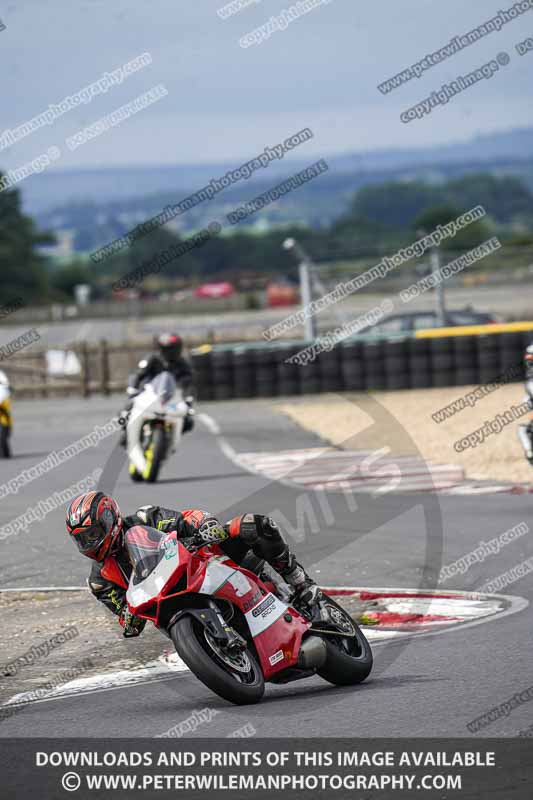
(94,522)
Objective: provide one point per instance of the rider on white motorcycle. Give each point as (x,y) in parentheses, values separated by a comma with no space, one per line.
(170,358)
(95,523)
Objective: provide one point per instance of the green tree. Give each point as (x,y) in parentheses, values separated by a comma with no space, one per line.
(504,198)
(64,279)
(466,238)
(145,249)
(395,203)
(22,269)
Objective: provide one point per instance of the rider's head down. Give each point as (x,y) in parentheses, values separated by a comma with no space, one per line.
(170,346)
(94,522)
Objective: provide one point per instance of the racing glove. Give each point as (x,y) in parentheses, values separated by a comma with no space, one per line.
(133,626)
(210,532)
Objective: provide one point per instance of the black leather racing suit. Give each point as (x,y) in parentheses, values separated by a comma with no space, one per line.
(254,539)
(147,370)
(154,364)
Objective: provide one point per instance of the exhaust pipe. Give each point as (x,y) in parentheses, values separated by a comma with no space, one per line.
(313,653)
(525,441)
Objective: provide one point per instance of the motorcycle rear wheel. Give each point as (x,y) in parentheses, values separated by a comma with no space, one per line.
(349,660)
(241,684)
(5,447)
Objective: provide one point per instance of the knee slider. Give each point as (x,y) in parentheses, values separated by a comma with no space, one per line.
(96,588)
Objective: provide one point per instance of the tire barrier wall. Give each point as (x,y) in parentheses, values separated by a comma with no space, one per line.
(223,373)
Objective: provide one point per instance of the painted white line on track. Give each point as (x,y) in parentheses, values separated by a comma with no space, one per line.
(230,452)
(164,668)
(47,589)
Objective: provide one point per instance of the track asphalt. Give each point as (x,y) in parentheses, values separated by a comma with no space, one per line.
(430,686)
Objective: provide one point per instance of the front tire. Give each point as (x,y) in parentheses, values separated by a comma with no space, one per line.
(155,454)
(349,660)
(134,474)
(237,684)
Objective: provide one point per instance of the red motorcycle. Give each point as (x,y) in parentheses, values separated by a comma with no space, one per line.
(234,629)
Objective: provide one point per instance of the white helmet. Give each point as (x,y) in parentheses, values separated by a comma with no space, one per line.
(4,381)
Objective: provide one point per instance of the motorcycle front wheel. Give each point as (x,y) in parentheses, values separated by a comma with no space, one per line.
(134,475)
(154,454)
(349,659)
(237,678)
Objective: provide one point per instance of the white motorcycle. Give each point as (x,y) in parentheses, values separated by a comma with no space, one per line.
(525,432)
(154,426)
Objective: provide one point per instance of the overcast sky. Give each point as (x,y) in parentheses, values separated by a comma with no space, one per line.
(228,102)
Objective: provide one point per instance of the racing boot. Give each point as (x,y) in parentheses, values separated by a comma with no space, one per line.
(307,593)
(263,536)
(188,419)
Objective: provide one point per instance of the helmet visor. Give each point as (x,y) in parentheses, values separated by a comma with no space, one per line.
(89,540)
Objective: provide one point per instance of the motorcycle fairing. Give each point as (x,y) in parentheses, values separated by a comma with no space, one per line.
(149,590)
(112,572)
(5,413)
(161,399)
(276,628)
(217,573)
(5,405)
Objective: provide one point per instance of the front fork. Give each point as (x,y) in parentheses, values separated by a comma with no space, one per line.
(213,621)
(230,639)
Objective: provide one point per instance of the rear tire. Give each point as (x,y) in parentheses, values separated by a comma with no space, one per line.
(349,660)
(5,447)
(192,646)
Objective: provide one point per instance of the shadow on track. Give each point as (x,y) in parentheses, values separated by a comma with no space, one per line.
(19,456)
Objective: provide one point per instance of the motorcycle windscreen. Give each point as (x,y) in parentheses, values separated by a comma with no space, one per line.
(146,549)
(154,557)
(164,385)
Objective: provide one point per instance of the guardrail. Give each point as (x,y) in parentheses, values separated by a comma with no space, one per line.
(436,358)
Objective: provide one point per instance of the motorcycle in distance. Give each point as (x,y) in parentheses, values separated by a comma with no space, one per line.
(236,630)
(154,426)
(6,422)
(525,432)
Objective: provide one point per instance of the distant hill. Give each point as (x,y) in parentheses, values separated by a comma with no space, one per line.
(43,192)
(514,144)
(94,202)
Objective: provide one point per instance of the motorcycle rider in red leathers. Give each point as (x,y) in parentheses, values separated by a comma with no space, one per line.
(95,523)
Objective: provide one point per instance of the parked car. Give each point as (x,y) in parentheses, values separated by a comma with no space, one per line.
(422,320)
